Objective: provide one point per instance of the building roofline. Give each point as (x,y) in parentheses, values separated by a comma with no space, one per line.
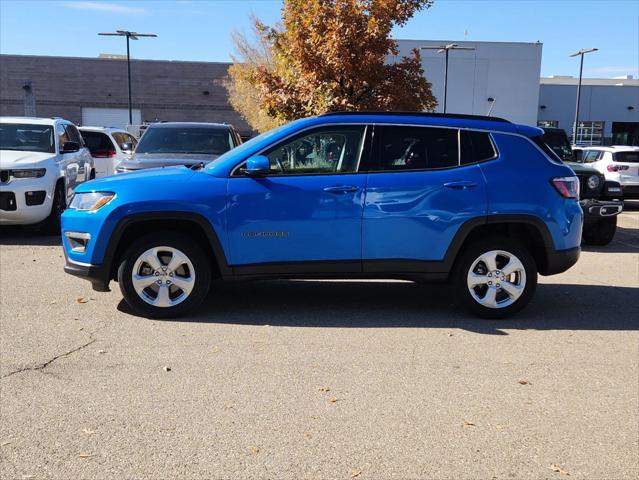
(106,59)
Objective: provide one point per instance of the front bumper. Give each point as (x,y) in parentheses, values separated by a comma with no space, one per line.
(596,209)
(21,213)
(98,275)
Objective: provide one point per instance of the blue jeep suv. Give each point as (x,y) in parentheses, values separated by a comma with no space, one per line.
(477,200)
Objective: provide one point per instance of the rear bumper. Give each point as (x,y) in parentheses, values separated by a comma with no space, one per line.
(596,209)
(559,261)
(630,191)
(98,275)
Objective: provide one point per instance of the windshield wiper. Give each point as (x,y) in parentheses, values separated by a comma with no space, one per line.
(197,166)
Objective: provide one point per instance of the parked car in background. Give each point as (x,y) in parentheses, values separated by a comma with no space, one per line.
(42,160)
(617,163)
(108,146)
(600,199)
(412,196)
(181,143)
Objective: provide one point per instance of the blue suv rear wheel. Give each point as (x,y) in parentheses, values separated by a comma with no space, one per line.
(496,277)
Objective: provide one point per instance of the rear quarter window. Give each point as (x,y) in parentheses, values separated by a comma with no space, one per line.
(476,147)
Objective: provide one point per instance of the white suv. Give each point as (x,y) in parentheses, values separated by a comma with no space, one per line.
(617,163)
(42,160)
(108,146)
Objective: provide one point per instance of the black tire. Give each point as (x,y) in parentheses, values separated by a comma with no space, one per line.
(600,233)
(468,257)
(92,175)
(200,261)
(51,225)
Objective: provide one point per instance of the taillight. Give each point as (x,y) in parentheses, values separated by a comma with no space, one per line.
(568,187)
(103,153)
(617,168)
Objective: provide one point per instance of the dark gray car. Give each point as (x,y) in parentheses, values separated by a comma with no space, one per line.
(181,143)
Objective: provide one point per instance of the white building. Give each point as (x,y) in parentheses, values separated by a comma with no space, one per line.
(608,110)
(496,78)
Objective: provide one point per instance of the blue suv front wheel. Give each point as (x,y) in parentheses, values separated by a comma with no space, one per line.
(164,275)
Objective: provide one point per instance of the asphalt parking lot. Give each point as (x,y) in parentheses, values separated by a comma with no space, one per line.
(310,379)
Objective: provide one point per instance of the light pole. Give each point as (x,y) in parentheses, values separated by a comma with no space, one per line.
(129,36)
(446,49)
(581,53)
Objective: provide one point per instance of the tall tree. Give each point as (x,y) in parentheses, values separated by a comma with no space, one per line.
(328,55)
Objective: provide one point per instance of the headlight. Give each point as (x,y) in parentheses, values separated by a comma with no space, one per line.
(593,182)
(29,173)
(90,201)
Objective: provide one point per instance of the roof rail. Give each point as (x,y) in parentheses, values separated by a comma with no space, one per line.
(424,114)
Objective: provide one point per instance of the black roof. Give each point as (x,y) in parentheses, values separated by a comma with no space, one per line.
(425,114)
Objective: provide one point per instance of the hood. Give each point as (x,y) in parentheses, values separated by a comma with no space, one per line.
(18,159)
(154,160)
(141,180)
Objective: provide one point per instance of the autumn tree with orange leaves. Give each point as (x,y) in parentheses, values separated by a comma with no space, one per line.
(327,55)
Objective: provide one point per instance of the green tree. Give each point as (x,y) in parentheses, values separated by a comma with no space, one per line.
(327,55)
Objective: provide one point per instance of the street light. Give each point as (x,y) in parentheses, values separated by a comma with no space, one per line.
(581,53)
(129,36)
(446,48)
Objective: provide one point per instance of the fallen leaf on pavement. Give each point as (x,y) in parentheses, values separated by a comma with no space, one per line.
(86,455)
(4,444)
(334,400)
(557,469)
(215,349)
(469,424)
(88,431)
(101,351)
(308,435)
(81,300)
(254,450)
(167,368)
(324,389)
(524,382)
(356,472)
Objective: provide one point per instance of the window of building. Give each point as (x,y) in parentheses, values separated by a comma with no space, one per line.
(590,133)
(548,123)
(416,148)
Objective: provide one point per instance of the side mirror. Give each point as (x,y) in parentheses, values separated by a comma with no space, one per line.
(70,147)
(126,147)
(257,166)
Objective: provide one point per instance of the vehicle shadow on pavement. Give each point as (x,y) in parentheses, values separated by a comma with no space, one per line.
(626,241)
(359,304)
(27,236)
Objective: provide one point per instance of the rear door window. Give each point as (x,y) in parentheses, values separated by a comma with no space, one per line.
(97,141)
(415,148)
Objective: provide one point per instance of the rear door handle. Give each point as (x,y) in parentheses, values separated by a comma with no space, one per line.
(341,189)
(460,185)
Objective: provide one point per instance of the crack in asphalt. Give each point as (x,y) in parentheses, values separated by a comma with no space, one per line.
(44,365)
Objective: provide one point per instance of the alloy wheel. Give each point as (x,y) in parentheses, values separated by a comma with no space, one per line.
(496,279)
(163,276)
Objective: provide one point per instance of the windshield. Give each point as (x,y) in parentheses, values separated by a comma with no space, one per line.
(558,142)
(195,140)
(27,137)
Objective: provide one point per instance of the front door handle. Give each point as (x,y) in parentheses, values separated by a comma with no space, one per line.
(341,189)
(460,185)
